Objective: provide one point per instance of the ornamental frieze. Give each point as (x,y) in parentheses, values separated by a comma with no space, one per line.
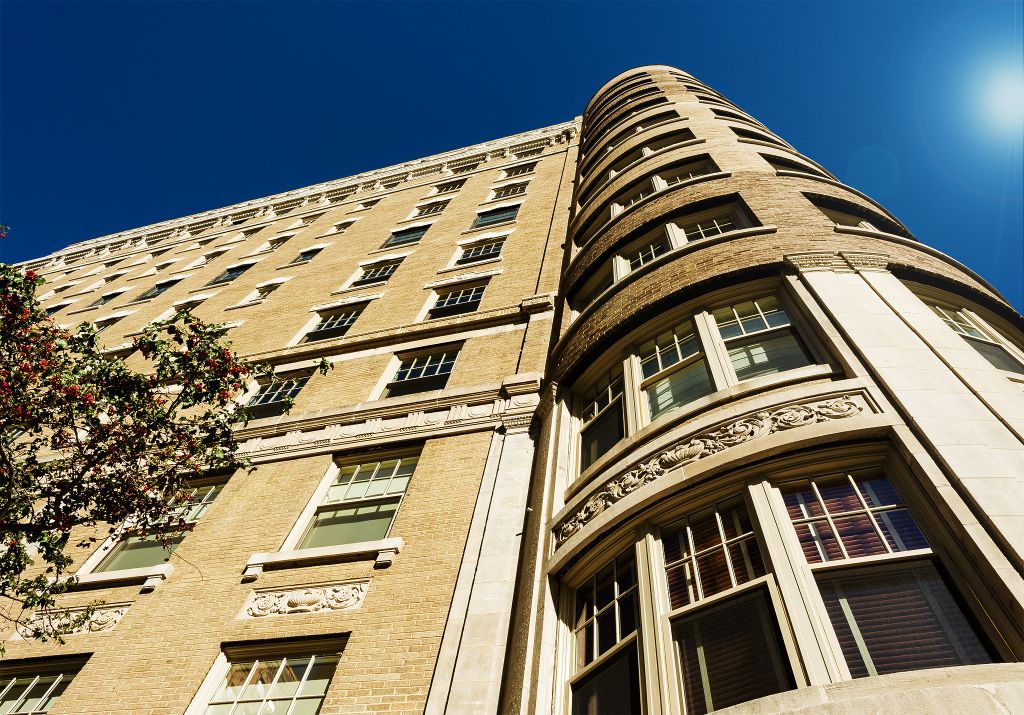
(69,621)
(307,599)
(751,427)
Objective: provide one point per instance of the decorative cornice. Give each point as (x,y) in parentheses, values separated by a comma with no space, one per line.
(308,599)
(841,262)
(104,618)
(745,429)
(322,194)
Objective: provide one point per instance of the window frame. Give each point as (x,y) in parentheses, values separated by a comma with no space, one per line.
(989,334)
(66,669)
(496,210)
(359,279)
(382,391)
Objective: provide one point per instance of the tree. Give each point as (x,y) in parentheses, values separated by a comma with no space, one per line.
(87,443)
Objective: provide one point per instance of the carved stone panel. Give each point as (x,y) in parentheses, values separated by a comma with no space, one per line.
(305,599)
(63,620)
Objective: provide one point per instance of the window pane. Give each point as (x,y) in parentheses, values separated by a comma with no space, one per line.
(139,552)
(767,356)
(350,525)
(612,688)
(679,388)
(997,355)
(889,621)
(730,654)
(602,434)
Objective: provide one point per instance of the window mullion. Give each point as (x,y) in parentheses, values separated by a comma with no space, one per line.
(655,639)
(636,414)
(715,354)
(819,652)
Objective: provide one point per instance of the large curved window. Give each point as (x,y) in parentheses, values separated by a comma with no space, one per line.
(714,622)
(692,357)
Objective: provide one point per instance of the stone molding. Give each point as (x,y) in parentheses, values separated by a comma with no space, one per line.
(841,262)
(104,618)
(319,195)
(305,599)
(747,428)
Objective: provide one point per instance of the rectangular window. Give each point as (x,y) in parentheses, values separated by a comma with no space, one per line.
(406,236)
(36,689)
(293,684)
(449,186)
(435,207)
(528,152)
(230,274)
(593,288)
(423,373)
(495,216)
(159,289)
(511,190)
(457,301)
(334,323)
(274,397)
(714,225)
(602,418)
(647,249)
(674,369)
(361,503)
(306,256)
(105,298)
(376,273)
(759,338)
(100,325)
(152,549)
(481,251)
(520,170)
(992,351)
(607,613)
(464,168)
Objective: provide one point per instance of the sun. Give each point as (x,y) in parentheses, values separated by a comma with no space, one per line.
(1003,99)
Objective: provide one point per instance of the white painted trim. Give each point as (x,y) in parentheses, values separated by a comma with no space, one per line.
(464,278)
(346,301)
(302,557)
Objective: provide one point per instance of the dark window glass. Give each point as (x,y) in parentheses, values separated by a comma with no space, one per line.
(612,688)
(409,235)
(489,218)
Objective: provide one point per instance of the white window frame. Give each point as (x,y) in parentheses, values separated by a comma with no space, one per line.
(364,265)
(316,310)
(479,240)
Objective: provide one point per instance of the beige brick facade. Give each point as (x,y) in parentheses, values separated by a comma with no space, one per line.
(468,604)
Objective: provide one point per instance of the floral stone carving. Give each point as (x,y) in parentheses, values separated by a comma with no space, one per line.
(760,424)
(104,618)
(313,599)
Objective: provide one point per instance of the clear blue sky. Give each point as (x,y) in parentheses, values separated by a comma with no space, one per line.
(115,115)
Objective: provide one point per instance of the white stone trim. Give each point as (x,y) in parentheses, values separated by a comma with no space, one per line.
(383,551)
(315,598)
(464,278)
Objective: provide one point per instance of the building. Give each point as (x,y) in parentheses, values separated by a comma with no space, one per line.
(645,412)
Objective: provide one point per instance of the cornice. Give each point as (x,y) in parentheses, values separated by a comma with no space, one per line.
(320,194)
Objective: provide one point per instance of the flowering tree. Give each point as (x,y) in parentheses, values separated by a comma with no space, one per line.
(89,446)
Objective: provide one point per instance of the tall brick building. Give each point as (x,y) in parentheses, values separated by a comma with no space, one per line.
(645,412)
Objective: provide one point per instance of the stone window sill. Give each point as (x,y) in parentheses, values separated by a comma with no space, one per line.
(382,551)
(149,577)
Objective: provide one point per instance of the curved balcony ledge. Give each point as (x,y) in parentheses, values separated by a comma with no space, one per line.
(990,688)
(693,454)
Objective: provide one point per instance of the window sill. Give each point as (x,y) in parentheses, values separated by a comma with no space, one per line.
(397,247)
(488,227)
(872,233)
(382,551)
(149,577)
(473,264)
(245,305)
(353,289)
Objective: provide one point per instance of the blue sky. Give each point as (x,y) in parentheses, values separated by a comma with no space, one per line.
(115,115)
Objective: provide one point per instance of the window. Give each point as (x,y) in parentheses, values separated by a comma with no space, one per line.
(481,251)
(106,298)
(361,502)
(991,350)
(524,153)
(434,207)
(155,547)
(606,614)
(334,323)
(368,203)
(276,396)
(34,689)
(755,136)
(495,216)
(505,192)
(602,418)
(449,186)
(306,256)
(841,218)
(230,274)
(405,236)
(53,309)
(293,684)
(275,243)
(423,372)
(341,227)
(660,181)
(159,289)
(100,325)
(664,141)
(457,301)
(519,170)
(262,292)
(759,338)
(465,168)
(713,223)
(376,273)
(207,258)
(592,288)
(780,164)
(673,368)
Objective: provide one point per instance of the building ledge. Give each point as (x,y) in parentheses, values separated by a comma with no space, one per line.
(382,551)
(149,577)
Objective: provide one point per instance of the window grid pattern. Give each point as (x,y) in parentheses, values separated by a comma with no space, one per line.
(851,516)
(32,694)
(959,322)
(449,186)
(460,296)
(305,256)
(759,338)
(371,480)
(606,392)
(426,366)
(489,218)
(191,508)
(710,552)
(229,275)
(464,168)
(511,190)
(335,323)
(278,391)
(750,317)
(690,171)
(648,251)
(606,610)
(989,349)
(104,299)
(158,289)
(668,349)
(713,226)
(520,170)
(481,251)
(435,207)
(377,273)
(410,235)
(285,685)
